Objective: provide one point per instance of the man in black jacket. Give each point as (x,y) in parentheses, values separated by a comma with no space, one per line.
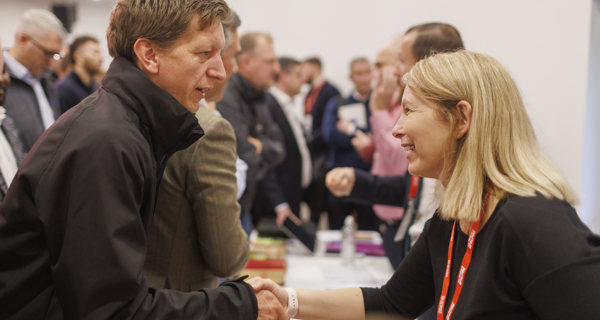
(259,140)
(73,223)
(293,174)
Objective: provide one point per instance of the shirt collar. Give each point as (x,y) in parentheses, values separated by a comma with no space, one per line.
(281,96)
(357,96)
(319,81)
(16,69)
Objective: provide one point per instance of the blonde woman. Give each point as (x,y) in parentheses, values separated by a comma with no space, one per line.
(506,242)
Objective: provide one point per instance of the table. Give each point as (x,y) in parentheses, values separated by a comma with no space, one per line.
(327,270)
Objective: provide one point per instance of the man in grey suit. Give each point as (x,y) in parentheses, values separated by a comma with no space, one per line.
(31,100)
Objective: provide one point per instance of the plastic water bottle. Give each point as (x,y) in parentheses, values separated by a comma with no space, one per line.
(348,241)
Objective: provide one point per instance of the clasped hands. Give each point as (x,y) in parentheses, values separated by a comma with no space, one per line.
(272,299)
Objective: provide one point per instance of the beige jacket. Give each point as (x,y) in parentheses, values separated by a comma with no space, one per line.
(196,235)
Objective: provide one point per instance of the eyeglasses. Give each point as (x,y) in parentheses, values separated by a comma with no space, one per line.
(48,53)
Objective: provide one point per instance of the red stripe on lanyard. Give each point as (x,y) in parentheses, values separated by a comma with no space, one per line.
(464,266)
(414,187)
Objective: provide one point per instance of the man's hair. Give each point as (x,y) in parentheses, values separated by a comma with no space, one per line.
(234,23)
(500,147)
(39,23)
(357,60)
(249,40)
(286,64)
(433,38)
(78,42)
(162,22)
(314,61)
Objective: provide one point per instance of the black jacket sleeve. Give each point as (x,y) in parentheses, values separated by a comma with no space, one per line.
(410,290)
(372,189)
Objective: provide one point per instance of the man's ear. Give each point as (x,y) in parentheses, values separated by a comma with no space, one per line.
(242,61)
(145,52)
(463,123)
(21,37)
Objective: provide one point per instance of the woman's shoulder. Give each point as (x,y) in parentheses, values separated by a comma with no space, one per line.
(522,209)
(539,219)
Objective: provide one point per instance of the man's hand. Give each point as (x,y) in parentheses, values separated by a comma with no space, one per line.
(361,140)
(283,211)
(340,181)
(273,297)
(256,143)
(346,126)
(269,307)
(385,87)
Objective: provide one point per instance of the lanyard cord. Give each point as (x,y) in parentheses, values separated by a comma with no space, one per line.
(464,266)
(416,186)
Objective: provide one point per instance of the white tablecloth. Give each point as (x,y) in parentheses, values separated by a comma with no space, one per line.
(327,270)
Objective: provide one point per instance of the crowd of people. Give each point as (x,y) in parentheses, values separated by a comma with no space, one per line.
(131,193)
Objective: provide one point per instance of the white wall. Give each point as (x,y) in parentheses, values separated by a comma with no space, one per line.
(590,201)
(545,45)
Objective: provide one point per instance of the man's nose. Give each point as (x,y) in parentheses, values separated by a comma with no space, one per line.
(217,70)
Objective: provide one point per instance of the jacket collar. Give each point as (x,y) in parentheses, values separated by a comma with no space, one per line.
(172,127)
(249,93)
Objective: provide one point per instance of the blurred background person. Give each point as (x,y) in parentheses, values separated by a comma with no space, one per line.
(293,174)
(321,91)
(86,60)
(31,100)
(259,141)
(11,147)
(338,133)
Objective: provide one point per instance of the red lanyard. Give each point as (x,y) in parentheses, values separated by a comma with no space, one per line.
(463,266)
(414,187)
(312,98)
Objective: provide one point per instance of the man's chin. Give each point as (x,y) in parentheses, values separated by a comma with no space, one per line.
(216,97)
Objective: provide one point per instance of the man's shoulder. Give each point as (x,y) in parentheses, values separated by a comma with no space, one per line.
(330,88)
(208,120)
(232,97)
(66,83)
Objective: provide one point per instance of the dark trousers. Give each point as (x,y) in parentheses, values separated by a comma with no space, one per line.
(339,208)
(393,250)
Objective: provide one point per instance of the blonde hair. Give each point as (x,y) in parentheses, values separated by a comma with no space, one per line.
(500,146)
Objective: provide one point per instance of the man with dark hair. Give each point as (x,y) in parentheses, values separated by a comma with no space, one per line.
(31,100)
(86,59)
(434,37)
(73,223)
(320,93)
(293,174)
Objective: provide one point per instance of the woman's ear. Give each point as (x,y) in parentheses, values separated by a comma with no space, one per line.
(145,52)
(463,123)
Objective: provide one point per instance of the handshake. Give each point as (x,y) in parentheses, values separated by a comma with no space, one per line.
(273,301)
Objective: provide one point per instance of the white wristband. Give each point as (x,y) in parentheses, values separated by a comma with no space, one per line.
(292,308)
